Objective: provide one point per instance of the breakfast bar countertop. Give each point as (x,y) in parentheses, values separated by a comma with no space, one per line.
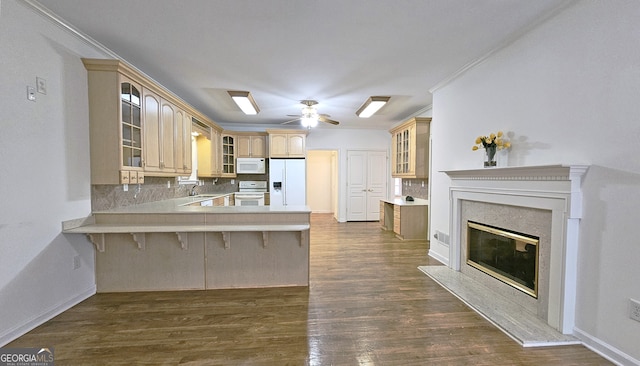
(186,205)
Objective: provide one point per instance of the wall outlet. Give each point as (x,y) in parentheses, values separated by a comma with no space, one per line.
(634,309)
(31,93)
(76,262)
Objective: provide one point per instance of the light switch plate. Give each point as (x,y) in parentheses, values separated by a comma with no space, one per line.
(41,85)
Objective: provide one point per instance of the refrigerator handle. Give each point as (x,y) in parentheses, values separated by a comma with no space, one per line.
(284,188)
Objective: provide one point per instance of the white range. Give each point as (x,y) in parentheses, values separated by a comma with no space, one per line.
(250,193)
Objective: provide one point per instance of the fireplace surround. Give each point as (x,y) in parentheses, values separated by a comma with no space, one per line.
(543,201)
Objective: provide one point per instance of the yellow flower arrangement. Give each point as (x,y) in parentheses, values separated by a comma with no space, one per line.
(492,141)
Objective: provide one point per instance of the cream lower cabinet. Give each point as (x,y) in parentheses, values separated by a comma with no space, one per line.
(408,221)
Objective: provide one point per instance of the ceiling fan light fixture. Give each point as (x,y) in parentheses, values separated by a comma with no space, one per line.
(245,101)
(309,121)
(371,106)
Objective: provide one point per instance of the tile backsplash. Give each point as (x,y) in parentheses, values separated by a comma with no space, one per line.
(105,197)
(418,188)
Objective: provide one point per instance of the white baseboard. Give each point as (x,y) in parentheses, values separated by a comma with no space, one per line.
(438,257)
(49,314)
(605,350)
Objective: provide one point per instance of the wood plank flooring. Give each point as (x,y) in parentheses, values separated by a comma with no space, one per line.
(367,304)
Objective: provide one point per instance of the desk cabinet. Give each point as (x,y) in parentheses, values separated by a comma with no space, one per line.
(408,220)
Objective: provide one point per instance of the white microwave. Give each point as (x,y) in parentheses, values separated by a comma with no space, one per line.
(250,165)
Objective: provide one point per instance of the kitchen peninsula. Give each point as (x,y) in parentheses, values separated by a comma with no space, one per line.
(179,244)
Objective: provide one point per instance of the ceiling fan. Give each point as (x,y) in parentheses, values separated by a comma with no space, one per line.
(310,116)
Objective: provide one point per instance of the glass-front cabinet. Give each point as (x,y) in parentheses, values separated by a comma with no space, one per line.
(130,107)
(228,156)
(410,148)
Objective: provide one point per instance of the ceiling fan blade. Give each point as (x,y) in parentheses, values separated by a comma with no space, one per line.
(327,120)
(290,121)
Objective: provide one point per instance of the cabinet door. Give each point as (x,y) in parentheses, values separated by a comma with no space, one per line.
(131,124)
(187,148)
(151,131)
(258,147)
(182,137)
(167,115)
(179,142)
(216,153)
(296,146)
(278,145)
(243,145)
(228,156)
(205,162)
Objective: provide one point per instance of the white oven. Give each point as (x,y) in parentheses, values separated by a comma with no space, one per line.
(250,193)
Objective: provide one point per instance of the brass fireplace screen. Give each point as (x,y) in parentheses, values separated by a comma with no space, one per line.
(506,255)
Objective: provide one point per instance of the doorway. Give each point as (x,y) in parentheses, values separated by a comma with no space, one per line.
(322,181)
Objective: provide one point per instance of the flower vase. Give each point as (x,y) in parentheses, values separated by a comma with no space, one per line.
(490,157)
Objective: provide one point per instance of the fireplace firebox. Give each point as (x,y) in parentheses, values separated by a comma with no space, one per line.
(508,256)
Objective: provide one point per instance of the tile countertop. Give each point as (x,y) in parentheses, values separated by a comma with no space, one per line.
(401,201)
(182,205)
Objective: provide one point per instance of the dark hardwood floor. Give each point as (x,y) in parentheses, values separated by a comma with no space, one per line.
(367,304)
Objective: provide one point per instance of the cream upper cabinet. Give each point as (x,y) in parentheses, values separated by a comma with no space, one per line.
(152,131)
(137,128)
(115,123)
(167,116)
(287,143)
(161,124)
(209,154)
(182,142)
(410,149)
(251,145)
(216,150)
(228,156)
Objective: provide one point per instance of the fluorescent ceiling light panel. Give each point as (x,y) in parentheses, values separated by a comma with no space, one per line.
(371,106)
(245,101)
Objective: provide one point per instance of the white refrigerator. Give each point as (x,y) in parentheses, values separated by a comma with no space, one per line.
(287,182)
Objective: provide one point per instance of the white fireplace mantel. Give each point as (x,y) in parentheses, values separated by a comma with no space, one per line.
(556,188)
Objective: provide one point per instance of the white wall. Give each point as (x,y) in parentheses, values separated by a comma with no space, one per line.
(567,92)
(343,140)
(44,171)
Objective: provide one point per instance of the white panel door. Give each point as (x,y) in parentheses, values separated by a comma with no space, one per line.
(356,185)
(376,183)
(366,185)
